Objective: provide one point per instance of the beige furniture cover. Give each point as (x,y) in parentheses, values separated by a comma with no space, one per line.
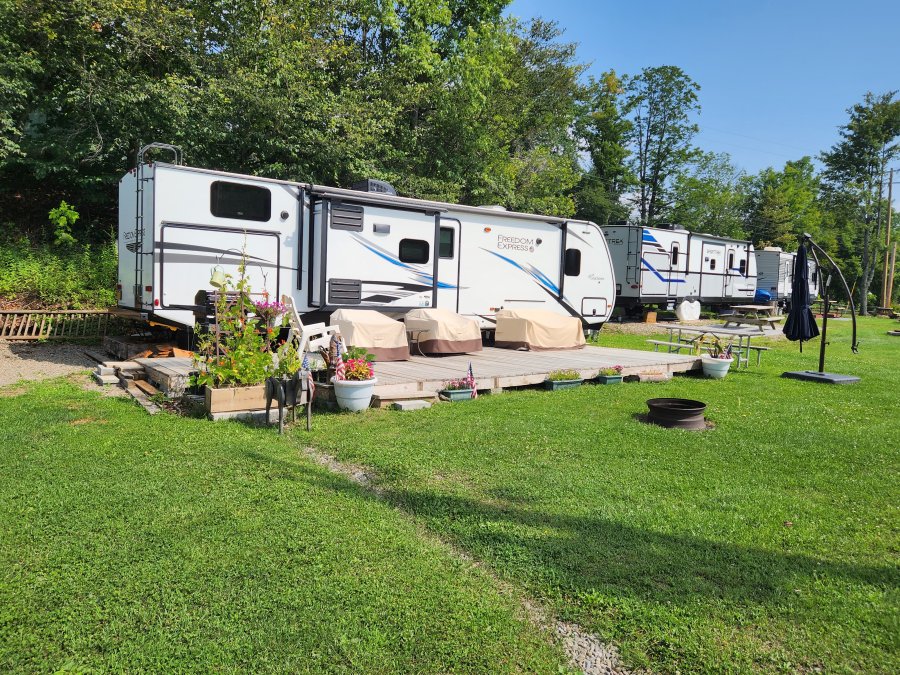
(381,335)
(440,331)
(537,329)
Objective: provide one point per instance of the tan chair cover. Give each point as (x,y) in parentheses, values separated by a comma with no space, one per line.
(381,335)
(537,329)
(441,331)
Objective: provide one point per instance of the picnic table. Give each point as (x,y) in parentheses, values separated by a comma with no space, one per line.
(753,315)
(690,337)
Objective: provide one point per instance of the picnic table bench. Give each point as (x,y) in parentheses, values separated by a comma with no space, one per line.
(691,338)
(744,320)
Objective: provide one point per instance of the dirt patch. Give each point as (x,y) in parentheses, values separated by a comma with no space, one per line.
(86,420)
(641,328)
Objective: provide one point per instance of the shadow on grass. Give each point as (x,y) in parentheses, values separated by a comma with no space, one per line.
(583,555)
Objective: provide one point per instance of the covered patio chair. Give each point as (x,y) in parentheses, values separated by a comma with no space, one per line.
(381,335)
(440,331)
(537,329)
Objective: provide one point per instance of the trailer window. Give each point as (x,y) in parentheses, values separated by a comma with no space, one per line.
(237,200)
(414,251)
(346,217)
(712,263)
(573,262)
(730,261)
(445,247)
(675,255)
(743,267)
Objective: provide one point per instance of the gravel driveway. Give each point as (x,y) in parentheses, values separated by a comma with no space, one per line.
(39,361)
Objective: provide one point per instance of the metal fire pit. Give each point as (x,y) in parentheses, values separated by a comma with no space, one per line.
(677,413)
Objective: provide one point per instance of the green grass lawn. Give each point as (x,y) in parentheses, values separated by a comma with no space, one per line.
(137,543)
(131,543)
(769,543)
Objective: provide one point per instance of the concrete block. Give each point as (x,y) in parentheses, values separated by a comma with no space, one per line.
(104,379)
(412,404)
(258,416)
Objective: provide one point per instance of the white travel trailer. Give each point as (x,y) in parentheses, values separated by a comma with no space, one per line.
(330,248)
(775,274)
(666,264)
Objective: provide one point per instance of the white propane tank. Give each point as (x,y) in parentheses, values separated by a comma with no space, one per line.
(688,310)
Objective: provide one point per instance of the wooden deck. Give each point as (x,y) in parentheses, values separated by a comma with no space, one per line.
(423,377)
(502,368)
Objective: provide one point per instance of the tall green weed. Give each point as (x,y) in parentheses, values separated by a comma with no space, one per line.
(55,277)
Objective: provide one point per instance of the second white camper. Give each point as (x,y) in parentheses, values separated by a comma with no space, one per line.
(666,264)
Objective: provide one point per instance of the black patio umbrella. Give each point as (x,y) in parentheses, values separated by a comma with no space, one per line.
(801,324)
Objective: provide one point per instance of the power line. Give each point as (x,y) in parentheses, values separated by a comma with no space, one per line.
(754,138)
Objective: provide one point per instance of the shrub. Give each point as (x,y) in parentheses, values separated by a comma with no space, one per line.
(46,277)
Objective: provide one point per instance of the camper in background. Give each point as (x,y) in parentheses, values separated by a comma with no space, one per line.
(666,264)
(775,274)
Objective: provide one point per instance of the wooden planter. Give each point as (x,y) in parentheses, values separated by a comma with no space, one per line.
(234,399)
(609,379)
(553,385)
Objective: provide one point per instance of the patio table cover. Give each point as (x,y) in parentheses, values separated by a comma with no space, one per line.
(384,337)
(441,331)
(537,329)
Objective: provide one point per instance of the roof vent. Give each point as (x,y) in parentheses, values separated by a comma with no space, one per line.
(493,207)
(776,249)
(373,185)
(669,226)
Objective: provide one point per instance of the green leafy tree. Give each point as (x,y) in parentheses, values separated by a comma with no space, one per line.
(708,196)
(662,101)
(854,172)
(603,130)
(782,205)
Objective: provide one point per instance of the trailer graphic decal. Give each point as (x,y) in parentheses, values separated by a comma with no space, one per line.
(423,276)
(531,270)
(650,268)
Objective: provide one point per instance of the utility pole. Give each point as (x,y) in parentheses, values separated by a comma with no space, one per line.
(888,277)
(890,290)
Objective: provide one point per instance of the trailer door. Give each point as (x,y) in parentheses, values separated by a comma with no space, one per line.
(712,273)
(448,265)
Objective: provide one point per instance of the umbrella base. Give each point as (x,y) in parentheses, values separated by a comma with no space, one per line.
(816,376)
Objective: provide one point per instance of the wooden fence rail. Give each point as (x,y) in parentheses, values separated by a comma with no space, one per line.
(63,324)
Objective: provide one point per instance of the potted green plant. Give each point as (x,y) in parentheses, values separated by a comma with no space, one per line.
(354,383)
(234,360)
(611,375)
(457,390)
(562,379)
(717,360)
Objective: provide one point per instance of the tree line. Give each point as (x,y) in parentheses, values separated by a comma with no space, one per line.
(446,99)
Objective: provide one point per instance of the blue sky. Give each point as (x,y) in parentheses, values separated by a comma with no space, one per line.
(776,77)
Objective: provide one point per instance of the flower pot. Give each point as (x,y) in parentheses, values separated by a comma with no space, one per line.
(716,368)
(355,395)
(457,394)
(609,379)
(553,385)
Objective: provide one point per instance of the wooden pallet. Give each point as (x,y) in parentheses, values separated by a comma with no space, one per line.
(62,324)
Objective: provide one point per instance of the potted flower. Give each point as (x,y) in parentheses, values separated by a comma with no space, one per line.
(717,361)
(457,390)
(268,312)
(612,375)
(562,379)
(354,382)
